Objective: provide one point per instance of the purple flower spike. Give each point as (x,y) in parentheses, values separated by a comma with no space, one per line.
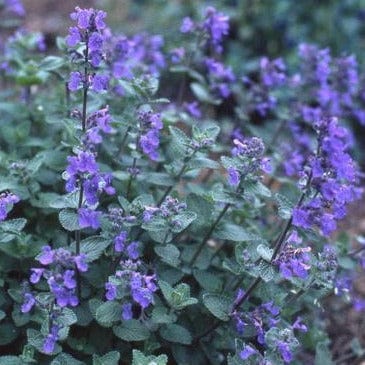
(89,218)
(29,302)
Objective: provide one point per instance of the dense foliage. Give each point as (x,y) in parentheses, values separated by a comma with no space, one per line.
(160,206)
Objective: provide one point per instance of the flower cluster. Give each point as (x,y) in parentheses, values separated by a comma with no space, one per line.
(265,320)
(214,27)
(88,32)
(248,158)
(60,276)
(150,125)
(220,77)
(293,261)
(83,172)
(333,175)
(129,282)
(6,201)
(15,7)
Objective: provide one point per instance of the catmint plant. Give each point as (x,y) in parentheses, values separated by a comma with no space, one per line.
(169,203)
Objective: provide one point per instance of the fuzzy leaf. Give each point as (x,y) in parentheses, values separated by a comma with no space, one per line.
(183,220)
(131,330)
(285,206)
(108,313)
(265,252)
(232,232)
(169,254)
(176,333)
(69,220)
(66,359)
(111,358)
(10,360)
(13,225)
(218,305)
(93,247)
(140,359)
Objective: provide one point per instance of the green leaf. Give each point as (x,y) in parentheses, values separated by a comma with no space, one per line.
(162,315)
(169,254)
(178,297)
(140,359)
(10,360)
(265,271)
(108,313)
(176,333)
(111,358)
(232,232)
(158,178)
(66,359)
(208,281)
(13,225)
(93,247)
(183,220)
(8,333)
(323,354)
(202,93)
(67,317)
(202,207)
(265,252)
(69,220)
(180,140)
(131,330)
(256,188)
(285,206)
(218,305)
(51,63)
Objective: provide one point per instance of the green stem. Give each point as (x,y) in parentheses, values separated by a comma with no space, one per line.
(208,234)
(178,177)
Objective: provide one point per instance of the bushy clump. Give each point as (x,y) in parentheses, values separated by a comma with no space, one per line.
(158,199)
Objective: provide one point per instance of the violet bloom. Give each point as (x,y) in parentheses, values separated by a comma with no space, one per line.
(247,352)
(127,311)
(111,291)
(51,339)
(81,263)
(119,241)
(216,25)
(28,303)
(100,83)
(187,25)
(15,6)
(6,200)
(133,250)
(285,351)
(89,218)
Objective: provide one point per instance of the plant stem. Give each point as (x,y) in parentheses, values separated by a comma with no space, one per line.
(178,177)
(209,233)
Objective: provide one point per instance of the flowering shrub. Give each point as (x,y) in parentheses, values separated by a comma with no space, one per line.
(158,207)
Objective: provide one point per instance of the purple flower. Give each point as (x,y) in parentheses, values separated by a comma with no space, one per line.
(74,37)
(187,25)
(95,42)
(47,255)
(111,291)
(127,311)
(132,250)
(100,83)
(50,340)
(233,176)
(217,26)
(15,6)
(193,109)
(89,218)
(247,352)
(119,241)
(36,275)
(75,81)
(29,302)
(285,351)
(299,325)
(81,263)
(6,199)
